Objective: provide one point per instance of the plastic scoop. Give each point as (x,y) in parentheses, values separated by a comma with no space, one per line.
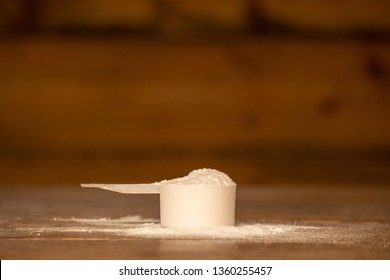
(126,188)
(204,198)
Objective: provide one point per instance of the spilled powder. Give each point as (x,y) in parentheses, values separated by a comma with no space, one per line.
(136,226)
(131,227)
(201,177)
(241,231)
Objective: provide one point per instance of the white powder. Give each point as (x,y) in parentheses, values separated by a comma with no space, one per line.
(202,177)
(139,227)
(146,228)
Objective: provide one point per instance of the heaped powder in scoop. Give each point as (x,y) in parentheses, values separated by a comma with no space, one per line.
(202,177)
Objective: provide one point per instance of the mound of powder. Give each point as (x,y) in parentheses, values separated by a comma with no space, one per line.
(202,177)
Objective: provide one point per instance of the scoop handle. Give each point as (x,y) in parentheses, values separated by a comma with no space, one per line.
(126,188)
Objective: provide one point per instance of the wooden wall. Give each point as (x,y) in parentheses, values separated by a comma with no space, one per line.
(271,92)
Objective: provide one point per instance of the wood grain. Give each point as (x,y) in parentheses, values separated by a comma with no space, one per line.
(71,223)
(336,16)
(95,94)
(186,17)
(96,14)
(271,110)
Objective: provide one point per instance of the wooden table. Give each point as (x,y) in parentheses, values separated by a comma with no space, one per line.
(292,222)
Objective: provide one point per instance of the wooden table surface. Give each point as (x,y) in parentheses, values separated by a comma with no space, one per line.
(292,222)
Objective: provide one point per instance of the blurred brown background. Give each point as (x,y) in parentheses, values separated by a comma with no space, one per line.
(268,91)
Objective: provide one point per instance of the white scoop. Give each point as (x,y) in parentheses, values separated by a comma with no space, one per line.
(203,198)
(126,188)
